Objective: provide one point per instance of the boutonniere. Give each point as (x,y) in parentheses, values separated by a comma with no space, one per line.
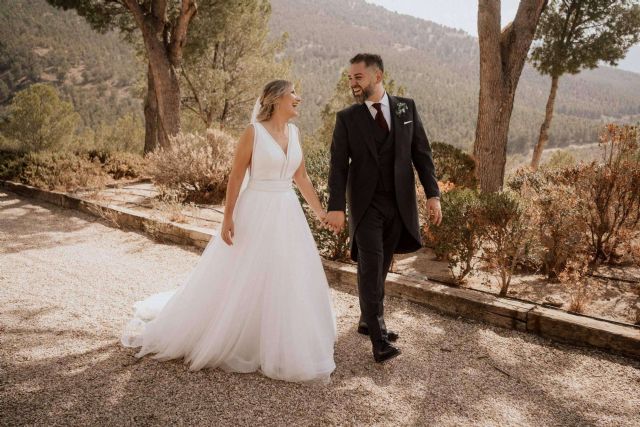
(401,108)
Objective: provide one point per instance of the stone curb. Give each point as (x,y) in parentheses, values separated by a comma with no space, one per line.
(504,312)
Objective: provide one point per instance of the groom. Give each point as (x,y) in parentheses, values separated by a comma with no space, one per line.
(375,143)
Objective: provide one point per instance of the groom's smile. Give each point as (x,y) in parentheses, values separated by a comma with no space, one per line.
(363,80)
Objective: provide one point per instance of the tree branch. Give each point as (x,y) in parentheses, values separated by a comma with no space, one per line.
(193,90)
(179,34)
(136,11)
(518,40)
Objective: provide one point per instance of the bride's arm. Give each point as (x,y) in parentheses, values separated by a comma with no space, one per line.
(241,161)
(303,182)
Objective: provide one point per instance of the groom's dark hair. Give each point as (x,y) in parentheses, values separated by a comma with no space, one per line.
(369,59)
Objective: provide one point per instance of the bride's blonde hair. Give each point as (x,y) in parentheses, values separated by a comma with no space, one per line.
(270,94)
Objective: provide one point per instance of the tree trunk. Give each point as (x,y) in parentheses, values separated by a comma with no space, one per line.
(164,42)
(494,112)
(544,129)
(150,116)
(167,89)
(502,58)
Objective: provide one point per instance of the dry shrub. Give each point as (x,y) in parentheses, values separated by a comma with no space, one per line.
(106,214)
(557,214)
(63,171)
(579,299)
(120,165)
(630,246)
(574,276)
(69,171)
(588,207)
(170,207)
(610,191)
(195,167)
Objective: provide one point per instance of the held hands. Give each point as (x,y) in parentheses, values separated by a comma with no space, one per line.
(434,211)
(321,215)
(334,221)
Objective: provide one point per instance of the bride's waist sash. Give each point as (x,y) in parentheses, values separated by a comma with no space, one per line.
(270,184)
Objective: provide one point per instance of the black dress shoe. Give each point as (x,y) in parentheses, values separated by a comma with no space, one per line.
(391,335)
(386,352)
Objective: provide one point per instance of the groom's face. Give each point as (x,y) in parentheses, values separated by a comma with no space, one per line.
(362,80)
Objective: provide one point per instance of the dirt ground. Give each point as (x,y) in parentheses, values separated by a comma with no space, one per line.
(67,283)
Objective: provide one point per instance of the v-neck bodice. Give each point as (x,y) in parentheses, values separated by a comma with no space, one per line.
(269,161)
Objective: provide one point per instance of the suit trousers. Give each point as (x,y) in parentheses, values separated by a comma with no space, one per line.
(377,237)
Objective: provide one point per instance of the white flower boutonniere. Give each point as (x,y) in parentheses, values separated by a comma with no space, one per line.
(401,108)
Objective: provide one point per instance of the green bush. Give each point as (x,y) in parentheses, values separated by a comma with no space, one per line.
(507,231)
(492,227)
(125,135)
(40,120)
(459,236)
(454,165)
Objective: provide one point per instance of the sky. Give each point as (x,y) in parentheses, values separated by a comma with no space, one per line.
(462,14)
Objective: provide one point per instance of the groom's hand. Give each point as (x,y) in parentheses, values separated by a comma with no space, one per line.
(434,211)
(335,220)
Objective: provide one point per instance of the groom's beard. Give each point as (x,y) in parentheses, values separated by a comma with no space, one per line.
(365,93)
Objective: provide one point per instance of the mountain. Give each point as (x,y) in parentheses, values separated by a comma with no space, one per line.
(438,66)
(97,72)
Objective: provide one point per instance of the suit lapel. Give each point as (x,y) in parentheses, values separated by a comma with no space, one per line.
(364,121)
(396,126)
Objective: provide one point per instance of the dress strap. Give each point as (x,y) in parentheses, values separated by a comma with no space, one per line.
(253,148)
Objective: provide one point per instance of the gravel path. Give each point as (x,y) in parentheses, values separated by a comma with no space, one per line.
(67,282)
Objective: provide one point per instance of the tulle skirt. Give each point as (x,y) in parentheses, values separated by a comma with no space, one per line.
(261,304)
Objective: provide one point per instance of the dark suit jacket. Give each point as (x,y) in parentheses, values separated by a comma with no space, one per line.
(353,170)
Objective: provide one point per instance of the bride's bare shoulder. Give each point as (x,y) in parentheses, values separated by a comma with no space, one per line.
(245,142)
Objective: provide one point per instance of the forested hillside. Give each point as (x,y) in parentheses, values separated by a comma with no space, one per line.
(97,72)
(438,66)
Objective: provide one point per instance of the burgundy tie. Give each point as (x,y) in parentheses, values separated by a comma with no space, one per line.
(380,117)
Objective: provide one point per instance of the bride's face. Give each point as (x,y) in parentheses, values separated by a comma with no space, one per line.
(289,102)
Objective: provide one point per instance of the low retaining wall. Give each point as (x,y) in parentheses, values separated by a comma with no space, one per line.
(504,312)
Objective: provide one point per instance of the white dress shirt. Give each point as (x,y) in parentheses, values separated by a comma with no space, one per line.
(386,111)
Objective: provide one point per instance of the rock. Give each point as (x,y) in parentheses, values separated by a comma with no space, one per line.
(553,301)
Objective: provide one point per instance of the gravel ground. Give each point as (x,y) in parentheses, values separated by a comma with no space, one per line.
(67,282)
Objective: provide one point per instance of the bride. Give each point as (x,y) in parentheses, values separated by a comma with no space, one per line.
(258,298)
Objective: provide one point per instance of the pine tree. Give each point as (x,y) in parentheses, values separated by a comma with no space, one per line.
(39,119)
(580,34)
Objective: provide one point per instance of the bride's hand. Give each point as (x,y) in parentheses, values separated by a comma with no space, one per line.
(320,216)
(227,231)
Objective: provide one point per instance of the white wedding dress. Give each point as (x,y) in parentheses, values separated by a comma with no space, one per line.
(262,303)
